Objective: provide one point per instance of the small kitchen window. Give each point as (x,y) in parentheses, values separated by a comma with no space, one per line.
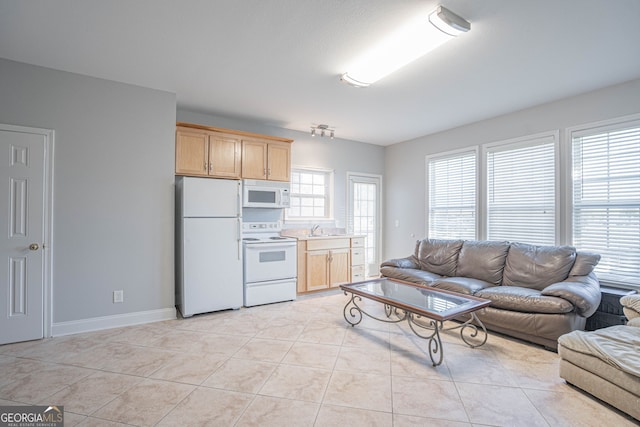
(310,194)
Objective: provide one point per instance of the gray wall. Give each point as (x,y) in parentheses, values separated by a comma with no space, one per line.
(113,186)
(338,154)
(405,162)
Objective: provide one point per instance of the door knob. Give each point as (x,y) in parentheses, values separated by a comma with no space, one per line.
(34,247)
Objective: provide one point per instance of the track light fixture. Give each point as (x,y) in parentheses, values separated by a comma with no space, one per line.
(322,130)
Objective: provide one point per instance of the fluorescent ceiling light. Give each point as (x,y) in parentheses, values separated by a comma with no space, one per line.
(405,45)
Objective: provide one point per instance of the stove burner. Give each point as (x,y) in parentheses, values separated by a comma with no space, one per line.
(250,239)
(277,238)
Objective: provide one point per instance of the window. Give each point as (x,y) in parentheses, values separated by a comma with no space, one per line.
(451,199)
(606,198)
(521,190)
(310,194)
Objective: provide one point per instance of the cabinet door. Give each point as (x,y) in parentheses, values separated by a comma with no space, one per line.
(254,160)
(224,156)
(317,270)
(279,162)
(339,267)
(191,152)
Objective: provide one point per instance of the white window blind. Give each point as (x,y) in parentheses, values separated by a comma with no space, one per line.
(606,199)
(452,196)
(309,195)
(521,191)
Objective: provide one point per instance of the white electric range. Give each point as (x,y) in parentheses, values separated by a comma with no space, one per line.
(270,264)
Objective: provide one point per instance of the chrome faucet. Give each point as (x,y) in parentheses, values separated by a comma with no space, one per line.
(314,228)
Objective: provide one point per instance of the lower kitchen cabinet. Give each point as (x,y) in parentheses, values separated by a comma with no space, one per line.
(325,263)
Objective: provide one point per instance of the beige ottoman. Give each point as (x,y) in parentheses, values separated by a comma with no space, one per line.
(606,362)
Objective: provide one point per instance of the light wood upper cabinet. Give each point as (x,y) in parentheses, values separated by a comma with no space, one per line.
(266,160)
(192,152)
(224,156)
(202,153)
(225,153)
(279,162)
(254,160)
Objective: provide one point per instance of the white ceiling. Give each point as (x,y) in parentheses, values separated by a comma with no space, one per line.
(279,61)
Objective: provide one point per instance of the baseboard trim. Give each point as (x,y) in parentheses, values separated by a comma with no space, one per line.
(108,322)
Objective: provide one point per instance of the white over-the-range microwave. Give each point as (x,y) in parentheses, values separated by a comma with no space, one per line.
(265,194)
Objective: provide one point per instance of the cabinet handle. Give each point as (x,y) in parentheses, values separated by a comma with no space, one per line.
(210,167)
(269,172)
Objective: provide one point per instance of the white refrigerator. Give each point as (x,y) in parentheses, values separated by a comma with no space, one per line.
(208,245)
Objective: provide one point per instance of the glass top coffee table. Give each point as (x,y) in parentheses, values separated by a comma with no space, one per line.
(425,310)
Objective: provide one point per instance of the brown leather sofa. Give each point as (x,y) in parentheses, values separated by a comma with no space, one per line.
(537,293)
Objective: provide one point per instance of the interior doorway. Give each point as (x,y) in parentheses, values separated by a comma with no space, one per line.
(25,154)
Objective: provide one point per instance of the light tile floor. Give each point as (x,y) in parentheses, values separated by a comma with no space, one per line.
(292,364)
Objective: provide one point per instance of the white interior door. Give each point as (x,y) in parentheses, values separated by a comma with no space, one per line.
(22,200)
(364,201)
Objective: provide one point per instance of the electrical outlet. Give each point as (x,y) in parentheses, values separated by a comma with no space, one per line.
(118,296)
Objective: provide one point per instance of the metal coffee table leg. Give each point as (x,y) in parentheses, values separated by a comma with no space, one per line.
(355,312)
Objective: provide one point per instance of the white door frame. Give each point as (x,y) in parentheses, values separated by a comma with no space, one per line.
(47,215)
(349,206)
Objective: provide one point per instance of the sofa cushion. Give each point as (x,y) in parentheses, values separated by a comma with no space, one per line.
(413,275)
(439,256)
(408,262)
(581,291)
(524,300)
(616,345)
(536,267)
(584,264)
(462,285)
(482,260)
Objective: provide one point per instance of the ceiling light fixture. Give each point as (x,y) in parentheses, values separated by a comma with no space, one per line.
(404,46)
(324,129)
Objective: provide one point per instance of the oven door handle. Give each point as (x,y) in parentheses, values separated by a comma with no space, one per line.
(270,246)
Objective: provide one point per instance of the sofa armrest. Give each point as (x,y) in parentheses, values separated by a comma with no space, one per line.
(631,306)
(582,291)
(408,262)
